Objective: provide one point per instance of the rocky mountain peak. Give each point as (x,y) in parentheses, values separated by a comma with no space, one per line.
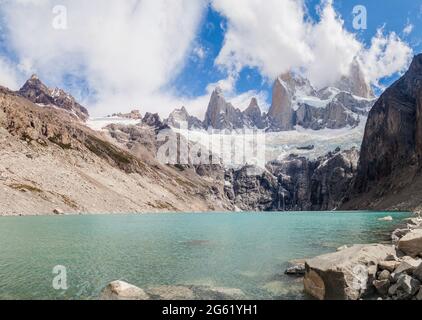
(37,92)
(355,82)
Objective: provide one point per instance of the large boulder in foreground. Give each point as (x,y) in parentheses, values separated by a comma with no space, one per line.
(345,275)
(411,243)
(120,290)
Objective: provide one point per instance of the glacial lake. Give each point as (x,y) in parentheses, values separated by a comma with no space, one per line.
(248,251)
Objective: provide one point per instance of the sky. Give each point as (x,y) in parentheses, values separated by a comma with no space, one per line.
(158,55)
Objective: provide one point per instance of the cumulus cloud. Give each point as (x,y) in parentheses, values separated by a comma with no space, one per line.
(127,52)
(124,50)
(279,36)
(8,75)
(387,55)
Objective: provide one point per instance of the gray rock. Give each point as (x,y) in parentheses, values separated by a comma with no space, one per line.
(120,290)
(297,270)
(389,265)
(384,275)
(382,287)
(417,273)
(411,243)
(419,295)
(405,267)
(343,275)
(407,286)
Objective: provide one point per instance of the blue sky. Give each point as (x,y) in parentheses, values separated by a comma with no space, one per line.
(158,55)
(391,15)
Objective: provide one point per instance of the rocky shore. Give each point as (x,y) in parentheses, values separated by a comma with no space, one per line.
(373,272)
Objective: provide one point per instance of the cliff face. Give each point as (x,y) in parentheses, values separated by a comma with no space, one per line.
(389,174)
(296,183)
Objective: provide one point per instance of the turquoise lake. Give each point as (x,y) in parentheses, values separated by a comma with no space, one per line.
(248,251)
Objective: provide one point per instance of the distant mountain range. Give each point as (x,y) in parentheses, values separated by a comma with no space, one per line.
(295,102)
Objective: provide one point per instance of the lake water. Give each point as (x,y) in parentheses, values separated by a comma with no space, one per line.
(245,251)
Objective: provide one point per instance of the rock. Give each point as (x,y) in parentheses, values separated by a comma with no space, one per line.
(393,290)
(120,290)
(58,212)
(411,244)
(342,248)
(297,270)
(418,272)
(389,265)
(405,267)
(384,275)
(419,295)
(407,287)
(382,287)
(171,293)
(389,218)
(343,275)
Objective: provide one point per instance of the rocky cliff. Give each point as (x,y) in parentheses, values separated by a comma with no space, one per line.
(296,183)
(389,175)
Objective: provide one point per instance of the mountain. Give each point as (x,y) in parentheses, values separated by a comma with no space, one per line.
(355,82)
(51,162)
(180,118)
(295,102)
(221,114)
(389,173)
(253,117)
(37,92)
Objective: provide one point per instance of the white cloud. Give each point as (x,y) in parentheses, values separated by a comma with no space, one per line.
(408,29)
(8,75)
(387,55)
(278,36)
(126,50)
(129,51)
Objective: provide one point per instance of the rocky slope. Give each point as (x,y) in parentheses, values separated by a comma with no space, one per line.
(390,163)
(52,163)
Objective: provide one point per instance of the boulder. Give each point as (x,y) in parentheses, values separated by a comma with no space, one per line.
(389,218)
(407,287)
(411,243)
(384,275)
(58,212)
(344,275)
(418,272)
(407,267)
(389,265)
(419,295)
(382,287)
(296,270)
(120,290)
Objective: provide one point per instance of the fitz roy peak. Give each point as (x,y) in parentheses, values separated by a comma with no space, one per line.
(295,102)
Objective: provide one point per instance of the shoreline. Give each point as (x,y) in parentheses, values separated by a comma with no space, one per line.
(64,214)
(382,271)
